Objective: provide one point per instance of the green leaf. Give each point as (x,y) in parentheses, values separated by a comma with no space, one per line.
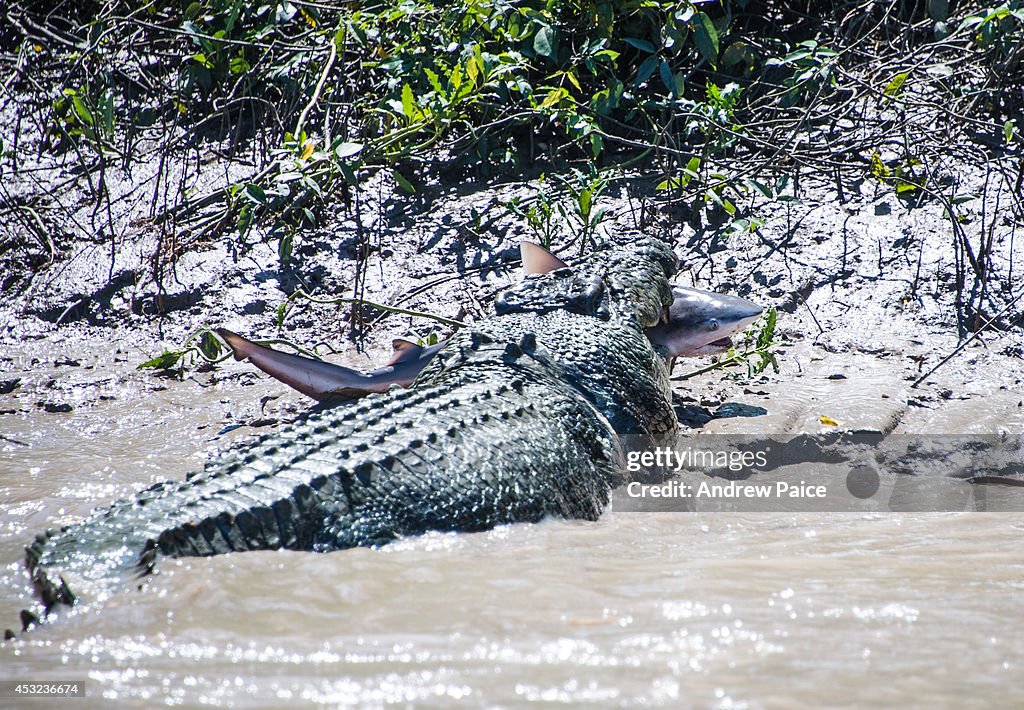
(585,202)
(715,197)
(665,71)
(82,110)
(284,249)
(760,187)
(764,338)
(892,89)
(456,79)
(676,182)
(348,173)
(238,65)
(938,10)
(643,73)
(255,194)
(970,21)
(879,169)
(791,96)
(403,182)
(1008,130)
(706,38)
(736,53)
(607,100)
(210,346)
(545,42)
(409,103)
(554,97)
(164,361)
(435,82)
(347,150)
(640,44)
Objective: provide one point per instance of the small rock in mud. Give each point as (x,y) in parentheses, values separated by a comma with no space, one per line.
(66,362)
(255,308)
(837,376)
(265,421)
(692,416)
(57,407)
(8,386)
(739,409)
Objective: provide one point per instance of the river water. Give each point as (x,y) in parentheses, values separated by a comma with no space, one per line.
(644,609)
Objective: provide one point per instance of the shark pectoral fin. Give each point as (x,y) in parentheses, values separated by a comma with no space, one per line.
(538,260)
(346,394)
(404,351)
(313,378)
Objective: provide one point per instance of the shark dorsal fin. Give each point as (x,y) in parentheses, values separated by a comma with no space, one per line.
(538,260)
(404,351)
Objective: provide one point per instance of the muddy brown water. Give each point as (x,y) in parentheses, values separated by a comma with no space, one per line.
(725,610)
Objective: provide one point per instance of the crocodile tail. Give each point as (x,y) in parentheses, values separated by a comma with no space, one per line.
(53,554)
(51,588)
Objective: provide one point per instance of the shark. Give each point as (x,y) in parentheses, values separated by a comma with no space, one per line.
(697,323)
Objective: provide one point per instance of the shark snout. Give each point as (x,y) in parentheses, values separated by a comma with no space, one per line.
(739,312)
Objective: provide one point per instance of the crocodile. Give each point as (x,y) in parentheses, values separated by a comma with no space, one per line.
(523,415)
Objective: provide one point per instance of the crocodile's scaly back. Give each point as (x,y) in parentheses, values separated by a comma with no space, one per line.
(518,417)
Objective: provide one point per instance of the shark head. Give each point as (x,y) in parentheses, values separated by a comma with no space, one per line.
(702,322)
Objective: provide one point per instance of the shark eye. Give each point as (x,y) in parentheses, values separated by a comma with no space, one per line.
(713,324)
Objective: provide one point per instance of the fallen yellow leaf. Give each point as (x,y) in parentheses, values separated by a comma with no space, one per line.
(827,421)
